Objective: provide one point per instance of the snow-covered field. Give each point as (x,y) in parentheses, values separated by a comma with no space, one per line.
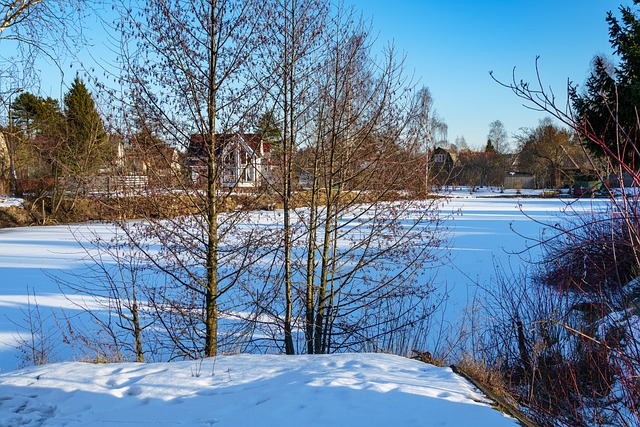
(365,389)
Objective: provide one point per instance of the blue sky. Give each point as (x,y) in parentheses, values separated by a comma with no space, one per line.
(451,45)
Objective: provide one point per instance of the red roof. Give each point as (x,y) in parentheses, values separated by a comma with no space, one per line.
(253,140)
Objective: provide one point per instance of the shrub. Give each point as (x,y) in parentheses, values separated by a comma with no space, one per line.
(565,333)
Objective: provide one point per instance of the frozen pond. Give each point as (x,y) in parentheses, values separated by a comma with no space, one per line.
(482,233)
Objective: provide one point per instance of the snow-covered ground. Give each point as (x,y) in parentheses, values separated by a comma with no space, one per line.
(364,389)
(486,233)
(246,390)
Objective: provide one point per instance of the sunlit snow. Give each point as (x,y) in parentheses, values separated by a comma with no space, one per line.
(336,390)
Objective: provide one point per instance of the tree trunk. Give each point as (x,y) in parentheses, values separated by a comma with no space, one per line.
(311,260)
(137,330)
(211,306)
(324,272)
(288,146)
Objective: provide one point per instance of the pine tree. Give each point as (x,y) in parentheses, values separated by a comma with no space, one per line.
(597,105)
(86,149)
(269,128)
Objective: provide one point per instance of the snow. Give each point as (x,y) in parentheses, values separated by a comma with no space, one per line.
(347,389)
(7,202)
(246,390)
(490,233)
(32,258)
(462,191)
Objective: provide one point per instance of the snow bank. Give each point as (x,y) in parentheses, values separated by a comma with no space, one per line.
(246,390)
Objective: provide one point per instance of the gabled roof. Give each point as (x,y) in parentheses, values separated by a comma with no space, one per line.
(252,141)
(452,154)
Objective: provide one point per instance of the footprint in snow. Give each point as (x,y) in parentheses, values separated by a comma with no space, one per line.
(205,392)
(134,391)
(25,410)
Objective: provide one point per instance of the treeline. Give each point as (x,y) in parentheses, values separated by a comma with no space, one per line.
(553,155)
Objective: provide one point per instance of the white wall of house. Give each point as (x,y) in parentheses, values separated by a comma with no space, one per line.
(241,165)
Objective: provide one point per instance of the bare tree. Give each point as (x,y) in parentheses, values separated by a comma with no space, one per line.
(353,121)
(15,12)
(31,29)
(188,75)
(345,264)
(290,64)
(426,121)
(548,151)
(37,28)
(498,137)
(116,289)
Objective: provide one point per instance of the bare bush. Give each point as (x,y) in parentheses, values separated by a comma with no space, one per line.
(36,341)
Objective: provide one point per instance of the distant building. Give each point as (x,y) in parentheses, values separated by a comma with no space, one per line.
(519,180)
(244,160)
(442,166)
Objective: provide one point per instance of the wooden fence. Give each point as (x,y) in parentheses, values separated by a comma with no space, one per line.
(104,185)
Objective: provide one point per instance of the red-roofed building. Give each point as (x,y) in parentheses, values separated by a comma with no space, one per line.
(244,160)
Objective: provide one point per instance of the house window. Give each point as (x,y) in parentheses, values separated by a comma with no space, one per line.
(439,158)
(247,173)
(245,158)
(228,176)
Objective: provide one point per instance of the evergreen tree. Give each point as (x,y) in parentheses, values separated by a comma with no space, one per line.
(607,106)
(597,106)
(34,114)
(40,129)
(489,148)
(86,149)
(269,129)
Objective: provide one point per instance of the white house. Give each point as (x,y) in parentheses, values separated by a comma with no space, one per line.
(244,160)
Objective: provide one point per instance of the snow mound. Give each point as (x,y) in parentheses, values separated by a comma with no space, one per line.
(246,390)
